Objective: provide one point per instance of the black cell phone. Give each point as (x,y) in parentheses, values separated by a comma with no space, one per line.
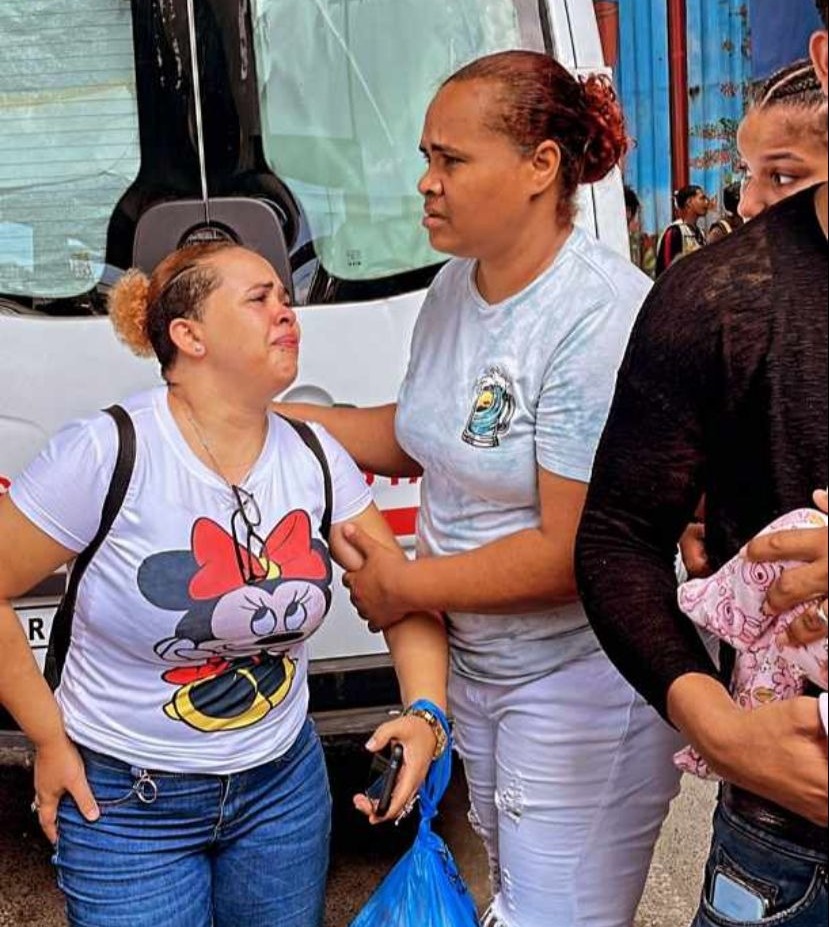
(385,771)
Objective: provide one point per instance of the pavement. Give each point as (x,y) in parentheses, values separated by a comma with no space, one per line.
(362,856)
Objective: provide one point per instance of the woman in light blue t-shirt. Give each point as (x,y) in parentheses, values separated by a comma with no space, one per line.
(512,371)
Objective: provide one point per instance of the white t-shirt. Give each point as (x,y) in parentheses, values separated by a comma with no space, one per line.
(175,663)
(492,393)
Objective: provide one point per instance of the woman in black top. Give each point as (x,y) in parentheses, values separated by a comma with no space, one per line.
(724,392)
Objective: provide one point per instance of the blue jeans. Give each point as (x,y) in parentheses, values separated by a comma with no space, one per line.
(246,850)
(793,879)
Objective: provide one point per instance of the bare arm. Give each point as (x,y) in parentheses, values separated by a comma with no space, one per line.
(27,556)
(727,737)
(420,652)
(528,571)
(418,644)
(367,434)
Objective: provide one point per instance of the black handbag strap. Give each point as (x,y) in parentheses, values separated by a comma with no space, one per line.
(122,475)
(312,442)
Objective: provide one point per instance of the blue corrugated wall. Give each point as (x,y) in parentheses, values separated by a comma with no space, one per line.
(719,71)
(642,77)
(719,79)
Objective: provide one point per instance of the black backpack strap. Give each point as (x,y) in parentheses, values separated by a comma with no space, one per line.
(312,442)
(122,475)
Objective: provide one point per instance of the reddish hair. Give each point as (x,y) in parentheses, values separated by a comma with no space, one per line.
(142,307)
(541,101)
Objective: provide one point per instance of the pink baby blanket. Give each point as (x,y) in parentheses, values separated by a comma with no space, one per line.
(775,655)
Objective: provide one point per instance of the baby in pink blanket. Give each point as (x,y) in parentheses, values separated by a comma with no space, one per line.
(775,655)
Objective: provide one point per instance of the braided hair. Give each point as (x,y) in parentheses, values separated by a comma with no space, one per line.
(796,87)
(142,307)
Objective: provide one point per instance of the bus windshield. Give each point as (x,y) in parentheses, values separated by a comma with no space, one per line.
(314,108)
(344,86)
(69,145)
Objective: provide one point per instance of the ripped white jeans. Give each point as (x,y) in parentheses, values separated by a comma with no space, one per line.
(570,779)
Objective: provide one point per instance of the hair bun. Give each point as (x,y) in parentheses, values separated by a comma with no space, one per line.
(608,141)
(128,302)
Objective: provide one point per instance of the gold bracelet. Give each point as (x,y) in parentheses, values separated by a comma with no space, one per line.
(434,724)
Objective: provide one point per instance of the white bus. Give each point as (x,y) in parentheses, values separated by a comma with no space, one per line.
(128,127)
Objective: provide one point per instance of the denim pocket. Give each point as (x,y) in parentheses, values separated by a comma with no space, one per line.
(802,913)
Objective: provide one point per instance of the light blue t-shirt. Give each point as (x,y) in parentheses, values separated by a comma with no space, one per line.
(492,393)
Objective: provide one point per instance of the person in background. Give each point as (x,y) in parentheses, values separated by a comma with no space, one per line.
(632,207)
(512,366)
(730,220)
(735,407)
(177,762)
(783,139)
(642,250)
(632,210)
(684,235)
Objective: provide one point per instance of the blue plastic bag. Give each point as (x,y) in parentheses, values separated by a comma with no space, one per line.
(425,888)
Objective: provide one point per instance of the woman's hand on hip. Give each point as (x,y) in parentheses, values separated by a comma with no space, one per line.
(377,587)
(59,769)
(419,745)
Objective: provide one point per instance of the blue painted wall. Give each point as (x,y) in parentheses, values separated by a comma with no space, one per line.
(642,77)
(719,82)
(780,32)
(719,73)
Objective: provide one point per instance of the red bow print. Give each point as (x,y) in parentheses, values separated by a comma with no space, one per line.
(288,554)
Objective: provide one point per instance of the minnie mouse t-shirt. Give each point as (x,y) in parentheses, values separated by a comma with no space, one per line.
(189,645)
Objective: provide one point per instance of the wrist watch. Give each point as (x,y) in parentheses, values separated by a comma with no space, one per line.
(434,723)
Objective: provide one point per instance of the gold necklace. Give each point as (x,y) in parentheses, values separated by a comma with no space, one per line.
(188,413)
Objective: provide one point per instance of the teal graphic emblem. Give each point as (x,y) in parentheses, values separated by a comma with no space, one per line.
(493,410)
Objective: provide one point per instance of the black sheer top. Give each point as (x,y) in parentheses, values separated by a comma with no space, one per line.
(723,393)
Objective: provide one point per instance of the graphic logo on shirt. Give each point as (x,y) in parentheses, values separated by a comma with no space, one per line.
(231,647)
(492,411)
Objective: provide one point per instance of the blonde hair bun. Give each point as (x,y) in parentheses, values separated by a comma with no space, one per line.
(128,303)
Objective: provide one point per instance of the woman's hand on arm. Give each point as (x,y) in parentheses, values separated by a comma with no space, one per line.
(367,434)
(525,572)
(420,652)
(736,743)
(27,556)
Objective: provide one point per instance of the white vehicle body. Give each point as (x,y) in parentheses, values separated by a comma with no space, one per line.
(60,360)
